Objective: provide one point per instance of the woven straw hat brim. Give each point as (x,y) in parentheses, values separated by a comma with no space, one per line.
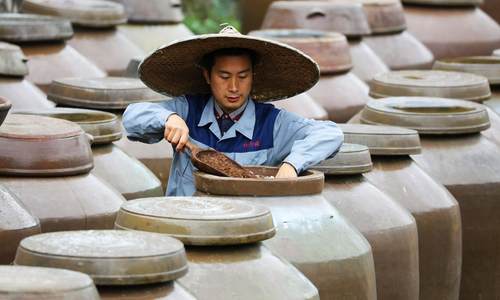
(281,71)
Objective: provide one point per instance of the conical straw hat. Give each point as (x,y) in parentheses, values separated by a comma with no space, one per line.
(280,72)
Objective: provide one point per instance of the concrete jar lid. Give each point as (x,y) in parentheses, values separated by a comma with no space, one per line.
(19,28)
(346,18)
(425,83)
(101,93)
(110,257)
(153,11)
(444,2)
(34,283)
(487,66)
(351,159)
(329,49)
(427,115)
(42,146)
(89,13)
(199,220)
(12,60)
(104,127)
(308,183)
(383,140)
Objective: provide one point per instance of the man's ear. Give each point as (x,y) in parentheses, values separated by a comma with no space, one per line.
(206,75)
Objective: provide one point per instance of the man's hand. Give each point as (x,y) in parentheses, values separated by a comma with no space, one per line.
(176,132)
(286,171)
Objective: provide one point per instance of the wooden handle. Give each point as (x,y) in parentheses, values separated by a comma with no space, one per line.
(191,147)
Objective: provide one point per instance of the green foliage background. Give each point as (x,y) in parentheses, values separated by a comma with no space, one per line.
(205,16)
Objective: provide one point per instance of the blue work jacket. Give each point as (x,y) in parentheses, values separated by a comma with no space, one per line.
(264,135)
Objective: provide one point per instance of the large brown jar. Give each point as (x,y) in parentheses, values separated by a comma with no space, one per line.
(390,40)
(42,39)
(452,28)
(467,164)
(115,94)
(13,68)
(95,35)
(125,173)
(45,164)
(222,237)
(388,227)
(16,223)
(435,210)
(344,17)
(340,92)
(153,23)
(311,234)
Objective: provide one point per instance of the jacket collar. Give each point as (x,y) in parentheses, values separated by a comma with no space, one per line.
(245,125)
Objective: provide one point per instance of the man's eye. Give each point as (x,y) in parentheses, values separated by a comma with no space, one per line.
(224,77)
(243,76)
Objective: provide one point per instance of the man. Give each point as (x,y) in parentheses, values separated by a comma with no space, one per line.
(219,82)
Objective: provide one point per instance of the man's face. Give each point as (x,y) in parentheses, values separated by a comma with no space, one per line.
(230,81)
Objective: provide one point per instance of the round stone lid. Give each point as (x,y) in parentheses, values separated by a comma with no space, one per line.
(433,83)
(199,220)
(33,28)
(487,66)
(5,106)
(427,115)
(383,140)
(91,13)
(343,17)
(42,146)
(12,60)
(101,93)
(329,49)
(153,11)
(308,183)
(351,159)
(110,257)
(444,2)
(104,127)
(21,282)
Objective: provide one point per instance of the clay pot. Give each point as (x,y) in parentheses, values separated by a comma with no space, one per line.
(311,234)
(341,94)
(303,105)
(384,16)
(464,3)
(48,55)
(469,167)
(346,18)
(5,106)
(390,229)
(219,272)
(442,84)
(32,283)
(453,31)
(149,37)
(154,11)
(95,31)
(435,210)
(13,68)
(16,223)
(169,290)
(252,13)
(110,257)
(41,146)
(126,174)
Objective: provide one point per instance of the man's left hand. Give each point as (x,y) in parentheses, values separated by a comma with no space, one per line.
(286,171)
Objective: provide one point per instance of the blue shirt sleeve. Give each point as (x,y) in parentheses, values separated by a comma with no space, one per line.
(304,142)
(145,122)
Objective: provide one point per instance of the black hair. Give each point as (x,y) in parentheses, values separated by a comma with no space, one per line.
(208,60)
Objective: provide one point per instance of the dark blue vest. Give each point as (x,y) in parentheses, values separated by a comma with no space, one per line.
(265,116)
